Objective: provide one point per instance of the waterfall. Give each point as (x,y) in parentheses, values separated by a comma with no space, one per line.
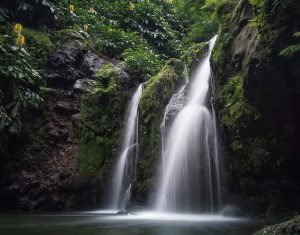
(124,172)
(190,177)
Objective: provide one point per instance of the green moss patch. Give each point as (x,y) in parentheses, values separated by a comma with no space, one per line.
(38,37)
(156,96)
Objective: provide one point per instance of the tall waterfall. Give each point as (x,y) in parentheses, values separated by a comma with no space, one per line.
(190,178)
(124,172)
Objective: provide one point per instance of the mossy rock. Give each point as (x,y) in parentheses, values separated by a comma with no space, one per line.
(291,227)
(194,53)
(100,121)
(158,91)
(90,158)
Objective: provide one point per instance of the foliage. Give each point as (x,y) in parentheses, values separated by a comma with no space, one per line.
(142,62)
(39,45)
(113,42)
(107,73)
(202,26)
(202,30)
(59,37)
(237,113)
(292,49)
(239,119)
(257,3)
(19,87)
(38,37)
(155,21)
(218,8)
(193,54)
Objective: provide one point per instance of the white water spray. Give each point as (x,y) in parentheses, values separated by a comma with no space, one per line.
(190,178)
(124,173)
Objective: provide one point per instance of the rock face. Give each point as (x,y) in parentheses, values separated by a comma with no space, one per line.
(55,183)
(175,105)
(258,105)
(291,227)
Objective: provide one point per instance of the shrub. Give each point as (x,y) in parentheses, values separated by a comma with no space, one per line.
(142,62)
(113,42)
(161,24)
(19,87)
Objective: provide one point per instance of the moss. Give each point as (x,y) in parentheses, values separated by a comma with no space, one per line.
(91,158)
(100,122)
(39,44)
(38,37)
(107,74)
(62,36)
(236,112)
(156,96)
(194,53)
(221,57)
(241,120)
(291,227)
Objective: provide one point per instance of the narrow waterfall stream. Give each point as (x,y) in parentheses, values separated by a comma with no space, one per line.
(124,172)
(190,178)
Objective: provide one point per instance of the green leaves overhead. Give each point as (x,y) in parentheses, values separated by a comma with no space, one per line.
(218,7)
(161,24)
(19,86)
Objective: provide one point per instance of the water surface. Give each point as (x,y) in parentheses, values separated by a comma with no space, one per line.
(140,224)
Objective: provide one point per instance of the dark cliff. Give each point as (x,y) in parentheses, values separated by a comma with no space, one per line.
(258,100)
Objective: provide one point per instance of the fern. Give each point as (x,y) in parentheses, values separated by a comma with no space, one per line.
(296,35)
(292,49)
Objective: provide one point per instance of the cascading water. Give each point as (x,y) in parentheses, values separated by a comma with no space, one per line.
(124,173)
(190,178)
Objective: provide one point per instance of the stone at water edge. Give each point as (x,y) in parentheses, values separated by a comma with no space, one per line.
(291,227)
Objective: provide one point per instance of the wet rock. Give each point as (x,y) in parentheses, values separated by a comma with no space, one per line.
(84,85)
(175,105)
(125,81)
(64,78)
(291,227)
(66,108)
(233,211)
(122,213)
(91,62)
(67,55)
(63,64)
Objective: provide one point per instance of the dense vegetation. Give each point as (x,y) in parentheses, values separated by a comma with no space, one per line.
(142,34)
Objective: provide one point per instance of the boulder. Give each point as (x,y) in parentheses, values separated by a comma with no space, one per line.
(91,62)
(84,85)
(291,227)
